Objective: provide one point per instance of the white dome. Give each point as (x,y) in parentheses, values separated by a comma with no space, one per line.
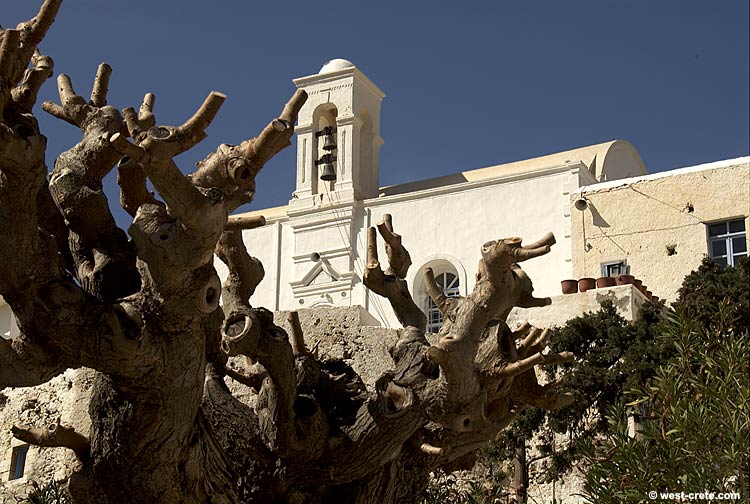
(335,65)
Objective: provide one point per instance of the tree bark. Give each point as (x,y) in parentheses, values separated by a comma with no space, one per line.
(520,485)
(144,312)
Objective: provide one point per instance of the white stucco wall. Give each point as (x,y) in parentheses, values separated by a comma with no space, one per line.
(638,219)
(447,223)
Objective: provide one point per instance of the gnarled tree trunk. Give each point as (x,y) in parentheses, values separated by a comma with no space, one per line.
(144,312)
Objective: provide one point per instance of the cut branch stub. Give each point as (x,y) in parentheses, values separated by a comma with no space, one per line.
(399,259)
(444,303)
(55,435)
(239,222)
(101,86)
(503,253)
(25,94)
(232,168)
(155,152)
(245,272)
(8,50)
(298,339)
(140,123)
(240,334)
(392,287)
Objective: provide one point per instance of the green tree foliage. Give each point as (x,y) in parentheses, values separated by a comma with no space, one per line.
(695,435)
(53,492)
(612,356)
(710,283)
(615,358)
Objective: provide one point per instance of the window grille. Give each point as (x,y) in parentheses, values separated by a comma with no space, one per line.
(615,268)
(448,282)
(727,242)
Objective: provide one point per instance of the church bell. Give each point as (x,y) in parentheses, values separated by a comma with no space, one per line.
(327,171)
(329,143)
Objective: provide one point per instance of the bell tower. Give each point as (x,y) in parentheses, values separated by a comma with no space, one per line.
(338,152)
(338,136)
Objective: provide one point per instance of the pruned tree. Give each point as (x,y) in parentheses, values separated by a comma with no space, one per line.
(145,313)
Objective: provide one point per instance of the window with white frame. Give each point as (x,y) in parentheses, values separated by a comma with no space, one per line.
(726,241)
(448,282)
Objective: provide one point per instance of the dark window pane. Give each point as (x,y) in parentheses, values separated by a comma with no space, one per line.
(718,248)
(721,261)
(717,229)
(19,461)
(739,245)
(737,226)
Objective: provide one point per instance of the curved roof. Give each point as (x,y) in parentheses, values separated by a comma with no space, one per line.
(606,161)
(335,65)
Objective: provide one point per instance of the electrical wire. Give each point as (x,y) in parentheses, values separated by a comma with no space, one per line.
(356,260)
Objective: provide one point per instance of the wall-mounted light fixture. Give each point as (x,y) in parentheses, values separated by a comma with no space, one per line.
(581,203)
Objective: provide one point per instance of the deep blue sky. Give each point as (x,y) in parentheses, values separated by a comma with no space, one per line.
(468,84)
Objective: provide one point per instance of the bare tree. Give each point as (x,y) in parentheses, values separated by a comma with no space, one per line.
(145,313)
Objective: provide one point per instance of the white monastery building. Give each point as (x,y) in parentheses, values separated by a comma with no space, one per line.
(313,249)
(608,215)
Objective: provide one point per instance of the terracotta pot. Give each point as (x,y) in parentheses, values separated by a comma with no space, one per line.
(638,283)
(625,279)
(649,295)
(605,282)
(569,286)
(585,284)
(655,299)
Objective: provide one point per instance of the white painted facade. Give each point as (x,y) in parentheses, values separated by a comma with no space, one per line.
(313,249)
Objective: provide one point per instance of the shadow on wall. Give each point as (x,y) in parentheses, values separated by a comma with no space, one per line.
(596,217)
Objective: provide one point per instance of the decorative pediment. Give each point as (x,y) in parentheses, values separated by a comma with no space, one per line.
(321,278)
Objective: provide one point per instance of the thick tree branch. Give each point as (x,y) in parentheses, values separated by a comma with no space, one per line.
(104,261)
(444,303)
(239,222)
(501,284)
(25,94)
(399,259)
(232,168)
(133,189)
(34,30)
(245,272)
(293,426)
(390,285)
(16,51)
(101,86)
(8,51)
(154,152)
(55,435)
(298,339)
(25,365)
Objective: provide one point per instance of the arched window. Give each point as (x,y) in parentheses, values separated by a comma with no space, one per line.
(448,281)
